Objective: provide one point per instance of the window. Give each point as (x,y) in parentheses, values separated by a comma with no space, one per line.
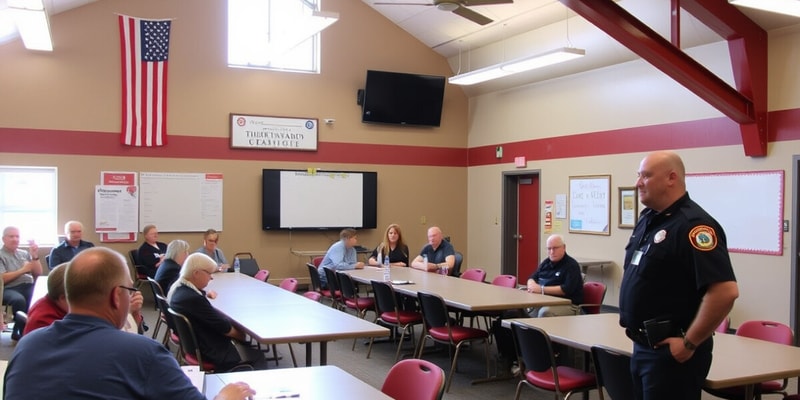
(29,201)
(273,34)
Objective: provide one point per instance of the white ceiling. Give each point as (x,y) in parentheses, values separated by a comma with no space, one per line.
(528,27)
(523,28)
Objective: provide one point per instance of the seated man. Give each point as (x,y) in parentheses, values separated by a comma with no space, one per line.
(19,269)
(72,245)
(341,256)
(557,275)
(213,329)
(439,251)
(85,355)
(53,306)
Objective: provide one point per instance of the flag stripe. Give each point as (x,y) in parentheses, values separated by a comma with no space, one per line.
(144,45)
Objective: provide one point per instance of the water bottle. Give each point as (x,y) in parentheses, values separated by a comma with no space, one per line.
(387,269)
(425,261)
(236,268)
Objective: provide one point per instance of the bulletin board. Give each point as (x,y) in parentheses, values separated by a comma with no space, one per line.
(748,205)
(181,202)
(590,204)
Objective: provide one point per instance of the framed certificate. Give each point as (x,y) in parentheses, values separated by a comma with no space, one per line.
(628,207)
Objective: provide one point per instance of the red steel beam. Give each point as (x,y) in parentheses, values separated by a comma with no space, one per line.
(652,47)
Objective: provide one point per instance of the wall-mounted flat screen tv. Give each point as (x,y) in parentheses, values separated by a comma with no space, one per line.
(404,99)
(304,200)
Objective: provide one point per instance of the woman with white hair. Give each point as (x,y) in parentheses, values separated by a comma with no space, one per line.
(213,329)
(176,254)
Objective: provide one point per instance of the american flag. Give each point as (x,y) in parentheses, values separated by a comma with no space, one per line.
(144,47)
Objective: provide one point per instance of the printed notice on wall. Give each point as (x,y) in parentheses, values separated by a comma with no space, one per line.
(116,208)
(590,204)
(129,181)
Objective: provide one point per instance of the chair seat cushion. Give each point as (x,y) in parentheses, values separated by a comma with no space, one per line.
(402,317)
(568,378)
(192,360)
(460,333)
(360,303)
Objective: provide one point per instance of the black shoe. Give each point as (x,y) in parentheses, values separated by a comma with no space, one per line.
(15,336)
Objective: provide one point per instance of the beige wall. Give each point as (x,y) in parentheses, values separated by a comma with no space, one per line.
(77,88)
(601,100)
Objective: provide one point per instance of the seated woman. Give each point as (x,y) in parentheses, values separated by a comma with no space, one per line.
(170,268)
(393,246)
(214,330)
(210,242)
(151,252)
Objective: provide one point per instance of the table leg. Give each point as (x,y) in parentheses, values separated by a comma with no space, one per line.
(308,353)
(748,391)
(323,353)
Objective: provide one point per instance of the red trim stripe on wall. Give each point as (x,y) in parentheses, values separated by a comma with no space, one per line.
(784,125)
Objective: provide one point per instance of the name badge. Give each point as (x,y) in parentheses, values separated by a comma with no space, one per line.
(637,256)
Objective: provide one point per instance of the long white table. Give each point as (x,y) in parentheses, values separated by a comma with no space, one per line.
(273,315)
(324,382)
(737,360)
(459,293)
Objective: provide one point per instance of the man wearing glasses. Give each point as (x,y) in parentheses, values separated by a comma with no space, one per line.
(558,275)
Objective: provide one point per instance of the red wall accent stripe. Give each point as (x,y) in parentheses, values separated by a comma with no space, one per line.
(784,125)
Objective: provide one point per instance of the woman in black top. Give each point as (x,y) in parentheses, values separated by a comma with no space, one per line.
(151,252)
(394,246)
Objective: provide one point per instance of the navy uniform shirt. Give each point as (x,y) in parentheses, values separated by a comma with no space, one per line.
(670,260)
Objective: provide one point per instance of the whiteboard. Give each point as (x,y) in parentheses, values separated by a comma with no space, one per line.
(180,202)
(748,205)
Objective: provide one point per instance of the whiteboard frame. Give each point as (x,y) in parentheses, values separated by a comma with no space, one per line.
(605,186)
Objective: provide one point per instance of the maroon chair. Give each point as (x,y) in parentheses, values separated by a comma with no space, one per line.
(724,326)
(289,284)
(316,283)
(593,295)
(389,313)
(315,296)
(414,379)
(509,281)
(539,368)
(439,328)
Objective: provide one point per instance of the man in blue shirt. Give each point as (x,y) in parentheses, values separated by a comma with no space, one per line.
(87,356)
(341,256)
(439,251)
(72,244)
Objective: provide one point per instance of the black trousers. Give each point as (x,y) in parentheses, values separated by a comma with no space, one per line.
(658,376)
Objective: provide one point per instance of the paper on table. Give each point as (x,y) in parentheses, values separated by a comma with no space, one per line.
(402,282)
(196,376)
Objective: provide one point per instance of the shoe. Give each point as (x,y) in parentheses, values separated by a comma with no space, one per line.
(15,336)
(516,371)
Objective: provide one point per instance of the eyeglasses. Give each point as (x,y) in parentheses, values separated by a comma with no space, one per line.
(130,289)
(554,248)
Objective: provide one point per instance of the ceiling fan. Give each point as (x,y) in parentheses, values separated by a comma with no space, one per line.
(458,7)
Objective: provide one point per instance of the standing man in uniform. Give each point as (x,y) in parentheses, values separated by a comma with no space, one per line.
(677,287)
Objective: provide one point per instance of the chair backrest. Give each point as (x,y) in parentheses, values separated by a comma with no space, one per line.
(289,284)
(346,284)
(312,295)
(434,310)
(593,295)
(313,273)
(457,265)
(385,300)
(474,274)
(333,282)
(766,330)
(156,287)
(248,266)
(133,254)
(724,326)
(414,379)
(613,372)
(191,351)
(262,274)
(534,346)
(509,281)
(316,261)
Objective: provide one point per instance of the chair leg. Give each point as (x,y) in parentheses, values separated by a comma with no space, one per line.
(369,349)
(294,360)
(157,327)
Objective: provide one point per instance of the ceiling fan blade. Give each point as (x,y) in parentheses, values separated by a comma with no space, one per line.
(379,3)
(473,16)
(470,3)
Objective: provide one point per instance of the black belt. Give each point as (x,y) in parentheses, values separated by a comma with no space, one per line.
(638,336)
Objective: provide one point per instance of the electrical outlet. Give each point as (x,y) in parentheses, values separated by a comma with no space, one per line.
(423,220)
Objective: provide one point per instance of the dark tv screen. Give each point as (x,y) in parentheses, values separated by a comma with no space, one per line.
(404,99)
(304,200)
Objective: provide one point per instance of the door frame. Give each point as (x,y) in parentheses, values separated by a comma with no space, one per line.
(794,307)
(509,218)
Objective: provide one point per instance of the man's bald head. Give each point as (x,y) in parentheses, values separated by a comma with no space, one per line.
(92,275)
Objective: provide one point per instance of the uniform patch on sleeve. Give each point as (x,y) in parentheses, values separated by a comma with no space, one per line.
(703,238)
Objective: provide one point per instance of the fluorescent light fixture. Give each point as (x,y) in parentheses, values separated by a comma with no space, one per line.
(32,24)
(518,65)
(788,7)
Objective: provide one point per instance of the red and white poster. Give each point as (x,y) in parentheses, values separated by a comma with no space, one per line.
(117,209)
